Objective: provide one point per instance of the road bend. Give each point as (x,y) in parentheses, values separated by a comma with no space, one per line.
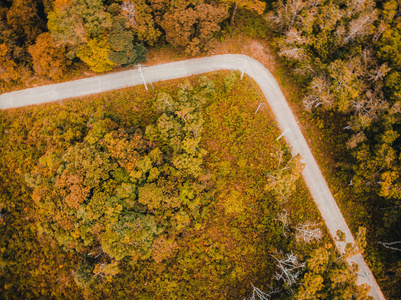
(285,119)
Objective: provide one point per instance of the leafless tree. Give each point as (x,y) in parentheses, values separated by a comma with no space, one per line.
(129,12)
(357,6)
(296,53)
(370,105)
(340,32)
(283,218)
(286,14)
(257,294)
(99,271)
(294,36)
(289,268)
(380,29)
(308,232)
(379,72)
(390,245)
(355,140)
(310,102)
(319,93)
(294,8)
(360,26)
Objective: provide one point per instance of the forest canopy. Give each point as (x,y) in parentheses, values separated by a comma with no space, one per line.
(52,38)
(179,192)
(343,59)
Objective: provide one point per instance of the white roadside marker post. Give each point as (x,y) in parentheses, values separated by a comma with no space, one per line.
(143,78)
(285,131)
(243,70)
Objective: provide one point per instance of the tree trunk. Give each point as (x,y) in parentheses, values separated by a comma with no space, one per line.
(234,12)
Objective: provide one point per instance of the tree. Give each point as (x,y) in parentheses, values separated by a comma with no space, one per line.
(23,18)
(282,182)
(77,22)
(124,50)
(95,53)
(163,248)
(106,270)
(83,276)
(193,28)
(8,72)
(67,27)
(48,59)
(328,276)
(308,232)
(151,195)
(289,268)
(319,93)
(129,235)
(138,13)
(253,5)
(346,82)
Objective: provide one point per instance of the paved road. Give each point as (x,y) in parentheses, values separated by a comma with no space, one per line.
(285,119)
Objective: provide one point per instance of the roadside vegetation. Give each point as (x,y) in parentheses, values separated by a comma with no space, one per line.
(180,192)
(338,61)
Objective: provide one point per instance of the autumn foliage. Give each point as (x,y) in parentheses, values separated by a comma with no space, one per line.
(167,194)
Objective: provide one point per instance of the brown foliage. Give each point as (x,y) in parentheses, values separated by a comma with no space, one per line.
(193,28)
(77,191)
(7,65)
(22,17)
(48,59)
(163,249)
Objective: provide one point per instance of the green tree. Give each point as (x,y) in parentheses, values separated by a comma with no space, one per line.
(124,50)
(129,234)
(77,22)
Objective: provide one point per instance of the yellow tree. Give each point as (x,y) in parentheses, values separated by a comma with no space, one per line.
(95,54)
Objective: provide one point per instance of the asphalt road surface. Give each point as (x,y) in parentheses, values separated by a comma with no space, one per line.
(275,98)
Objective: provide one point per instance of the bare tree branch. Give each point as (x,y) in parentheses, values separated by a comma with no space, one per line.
(288,268)
(389,245)
(308,232)
(283,218)
(257,294)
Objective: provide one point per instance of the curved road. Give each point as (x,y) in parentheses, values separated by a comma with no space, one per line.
(285,119)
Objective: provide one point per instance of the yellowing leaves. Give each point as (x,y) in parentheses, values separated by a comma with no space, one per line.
(95,54)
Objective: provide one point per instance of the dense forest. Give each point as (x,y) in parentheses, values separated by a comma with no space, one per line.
(181,193)
(344,59)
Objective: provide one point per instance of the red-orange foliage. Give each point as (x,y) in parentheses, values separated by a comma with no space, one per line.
(48,58)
